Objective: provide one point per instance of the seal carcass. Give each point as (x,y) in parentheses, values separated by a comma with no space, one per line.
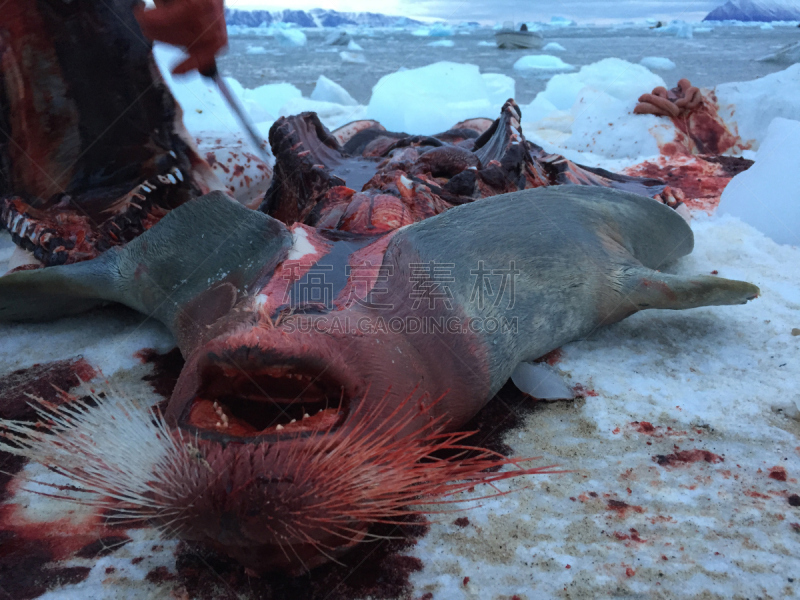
(292,424)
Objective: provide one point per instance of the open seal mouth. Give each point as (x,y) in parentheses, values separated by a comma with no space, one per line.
(251,399)
(65,229)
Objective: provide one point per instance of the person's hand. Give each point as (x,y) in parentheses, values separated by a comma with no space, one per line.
(198,26)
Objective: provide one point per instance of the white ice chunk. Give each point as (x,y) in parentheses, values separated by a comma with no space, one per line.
(328,90)
(657,62)
(354,47)
(272,97)
(541,62)
(487,44)
(352,57)
(500,88)
(437,30)
(541,381)
(562,22)
(256,50)
(765,196)
(203,107)
(751,106)
(592,110)
(430,99)
(332,115)
(554,47)
(290,37)
(442,44)
(616,77)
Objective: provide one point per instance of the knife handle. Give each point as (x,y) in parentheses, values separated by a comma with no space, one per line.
(210,71)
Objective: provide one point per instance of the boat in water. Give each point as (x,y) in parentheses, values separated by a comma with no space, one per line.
(508,37)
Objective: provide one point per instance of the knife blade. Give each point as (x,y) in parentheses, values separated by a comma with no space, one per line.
(238,110)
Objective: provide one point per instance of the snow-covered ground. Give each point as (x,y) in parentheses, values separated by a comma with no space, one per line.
(683,456)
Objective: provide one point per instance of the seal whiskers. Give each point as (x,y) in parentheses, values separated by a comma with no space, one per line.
(314,500)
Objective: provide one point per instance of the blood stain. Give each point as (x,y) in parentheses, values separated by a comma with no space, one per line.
(685,457)
(777,473)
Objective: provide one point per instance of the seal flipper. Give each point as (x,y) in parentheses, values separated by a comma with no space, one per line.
(210,246)
(651,289)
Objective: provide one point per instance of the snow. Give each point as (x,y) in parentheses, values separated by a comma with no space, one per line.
(765,196)
(541,62)
(657,62)
(430,99)
(327,90)
(442,44)
(553,47)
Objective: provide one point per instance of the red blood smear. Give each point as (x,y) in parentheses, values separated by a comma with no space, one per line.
(644,427)
(28,549)
(40,381)
(632,536)
(377,570)
(777,473)
(466,581)
(159,575)
(461,522)
(630,572)
(166,369)
(701,179)
(103,546)
(583,392)
(686,457)
(622,508)
(552,358)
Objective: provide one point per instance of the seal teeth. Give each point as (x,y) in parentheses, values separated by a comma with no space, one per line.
(12,227)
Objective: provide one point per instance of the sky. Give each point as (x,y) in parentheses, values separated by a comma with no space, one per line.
(491,11)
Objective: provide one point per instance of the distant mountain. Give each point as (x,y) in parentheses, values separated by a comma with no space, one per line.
(317,17)
(756,10)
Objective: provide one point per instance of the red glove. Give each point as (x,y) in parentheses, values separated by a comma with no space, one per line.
(198,26)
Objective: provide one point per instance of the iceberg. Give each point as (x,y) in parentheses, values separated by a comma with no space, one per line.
(756,10)
(750,106)
(541,62)
(765,196)
(328,90)
(431,99)
(657,62)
